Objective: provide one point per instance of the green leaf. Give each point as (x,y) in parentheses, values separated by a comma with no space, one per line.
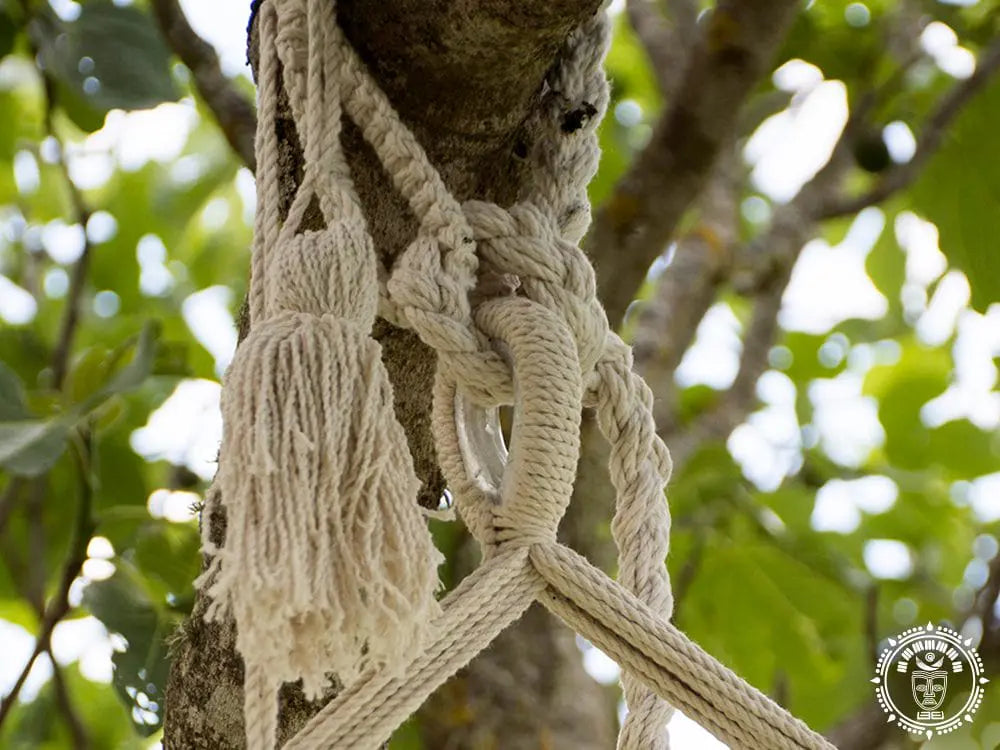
(805,639)
(110,57)
(964,450)
(959,190)
(12,403)
(886,266)
(169,553)
(122,604)
(133,374)
(902,389)
(30,447)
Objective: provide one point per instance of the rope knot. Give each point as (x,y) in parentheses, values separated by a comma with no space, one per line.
(526,242)
(326,271)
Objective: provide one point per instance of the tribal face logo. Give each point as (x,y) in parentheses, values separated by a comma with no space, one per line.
(929,680)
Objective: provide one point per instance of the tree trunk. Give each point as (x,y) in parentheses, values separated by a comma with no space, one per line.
(464,75)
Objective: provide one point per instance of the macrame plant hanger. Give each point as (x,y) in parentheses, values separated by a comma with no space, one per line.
(327,566)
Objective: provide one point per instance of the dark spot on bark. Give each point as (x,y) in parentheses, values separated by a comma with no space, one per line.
(521,150)
(577,118)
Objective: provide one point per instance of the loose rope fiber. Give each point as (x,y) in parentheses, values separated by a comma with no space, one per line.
(327,567)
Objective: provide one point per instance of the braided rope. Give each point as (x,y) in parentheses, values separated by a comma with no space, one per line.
(558,355)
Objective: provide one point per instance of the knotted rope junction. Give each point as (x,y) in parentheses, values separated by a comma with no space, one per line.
(327,566)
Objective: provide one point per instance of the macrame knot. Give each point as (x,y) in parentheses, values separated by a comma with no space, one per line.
(326,271)
(525,242)
(433,301)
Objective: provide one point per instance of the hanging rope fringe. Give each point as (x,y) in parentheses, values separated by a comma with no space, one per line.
(327,567)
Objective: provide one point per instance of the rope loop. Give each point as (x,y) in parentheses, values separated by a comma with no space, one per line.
(538,475)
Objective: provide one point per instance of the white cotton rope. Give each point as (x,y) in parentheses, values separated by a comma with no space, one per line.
(327,566)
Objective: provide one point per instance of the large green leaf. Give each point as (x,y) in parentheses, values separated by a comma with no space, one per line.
(804,640)
(168,553)
(902,389)
(959,190)
(111,57)
(123,605)
(12,403)
(30,447)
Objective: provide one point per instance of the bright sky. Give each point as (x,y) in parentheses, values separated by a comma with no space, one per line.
(829,285)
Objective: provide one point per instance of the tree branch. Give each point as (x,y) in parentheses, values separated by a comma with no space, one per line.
(235,114)
(716,423)
(772,256)
(69,713)
(78,275)
(987,598)
(903,175)
(702,259)
(634,226)
(666,30)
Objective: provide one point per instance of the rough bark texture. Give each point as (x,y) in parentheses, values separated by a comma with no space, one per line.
(464,74)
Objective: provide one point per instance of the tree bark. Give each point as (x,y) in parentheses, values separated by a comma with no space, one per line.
(465,75)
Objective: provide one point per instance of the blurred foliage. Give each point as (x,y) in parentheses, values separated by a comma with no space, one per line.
(792,608)
(126,358)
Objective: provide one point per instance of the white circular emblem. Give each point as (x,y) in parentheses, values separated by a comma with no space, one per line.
(929,680)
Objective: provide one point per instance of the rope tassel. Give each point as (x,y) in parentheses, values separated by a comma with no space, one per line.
(328,566)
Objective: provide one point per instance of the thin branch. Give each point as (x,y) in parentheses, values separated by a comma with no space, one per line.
(871,621)
(989,595)
(233,111)
(734,47)
(78,275)
(903,175)
(36,573)
(773,254)
(666,32)
(65,702)
(702,260)
(59,606)
(716,423)
(8,499)
(668,320)
(762,269)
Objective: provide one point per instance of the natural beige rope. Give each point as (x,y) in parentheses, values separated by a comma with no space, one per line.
(327,565)
(318,487)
